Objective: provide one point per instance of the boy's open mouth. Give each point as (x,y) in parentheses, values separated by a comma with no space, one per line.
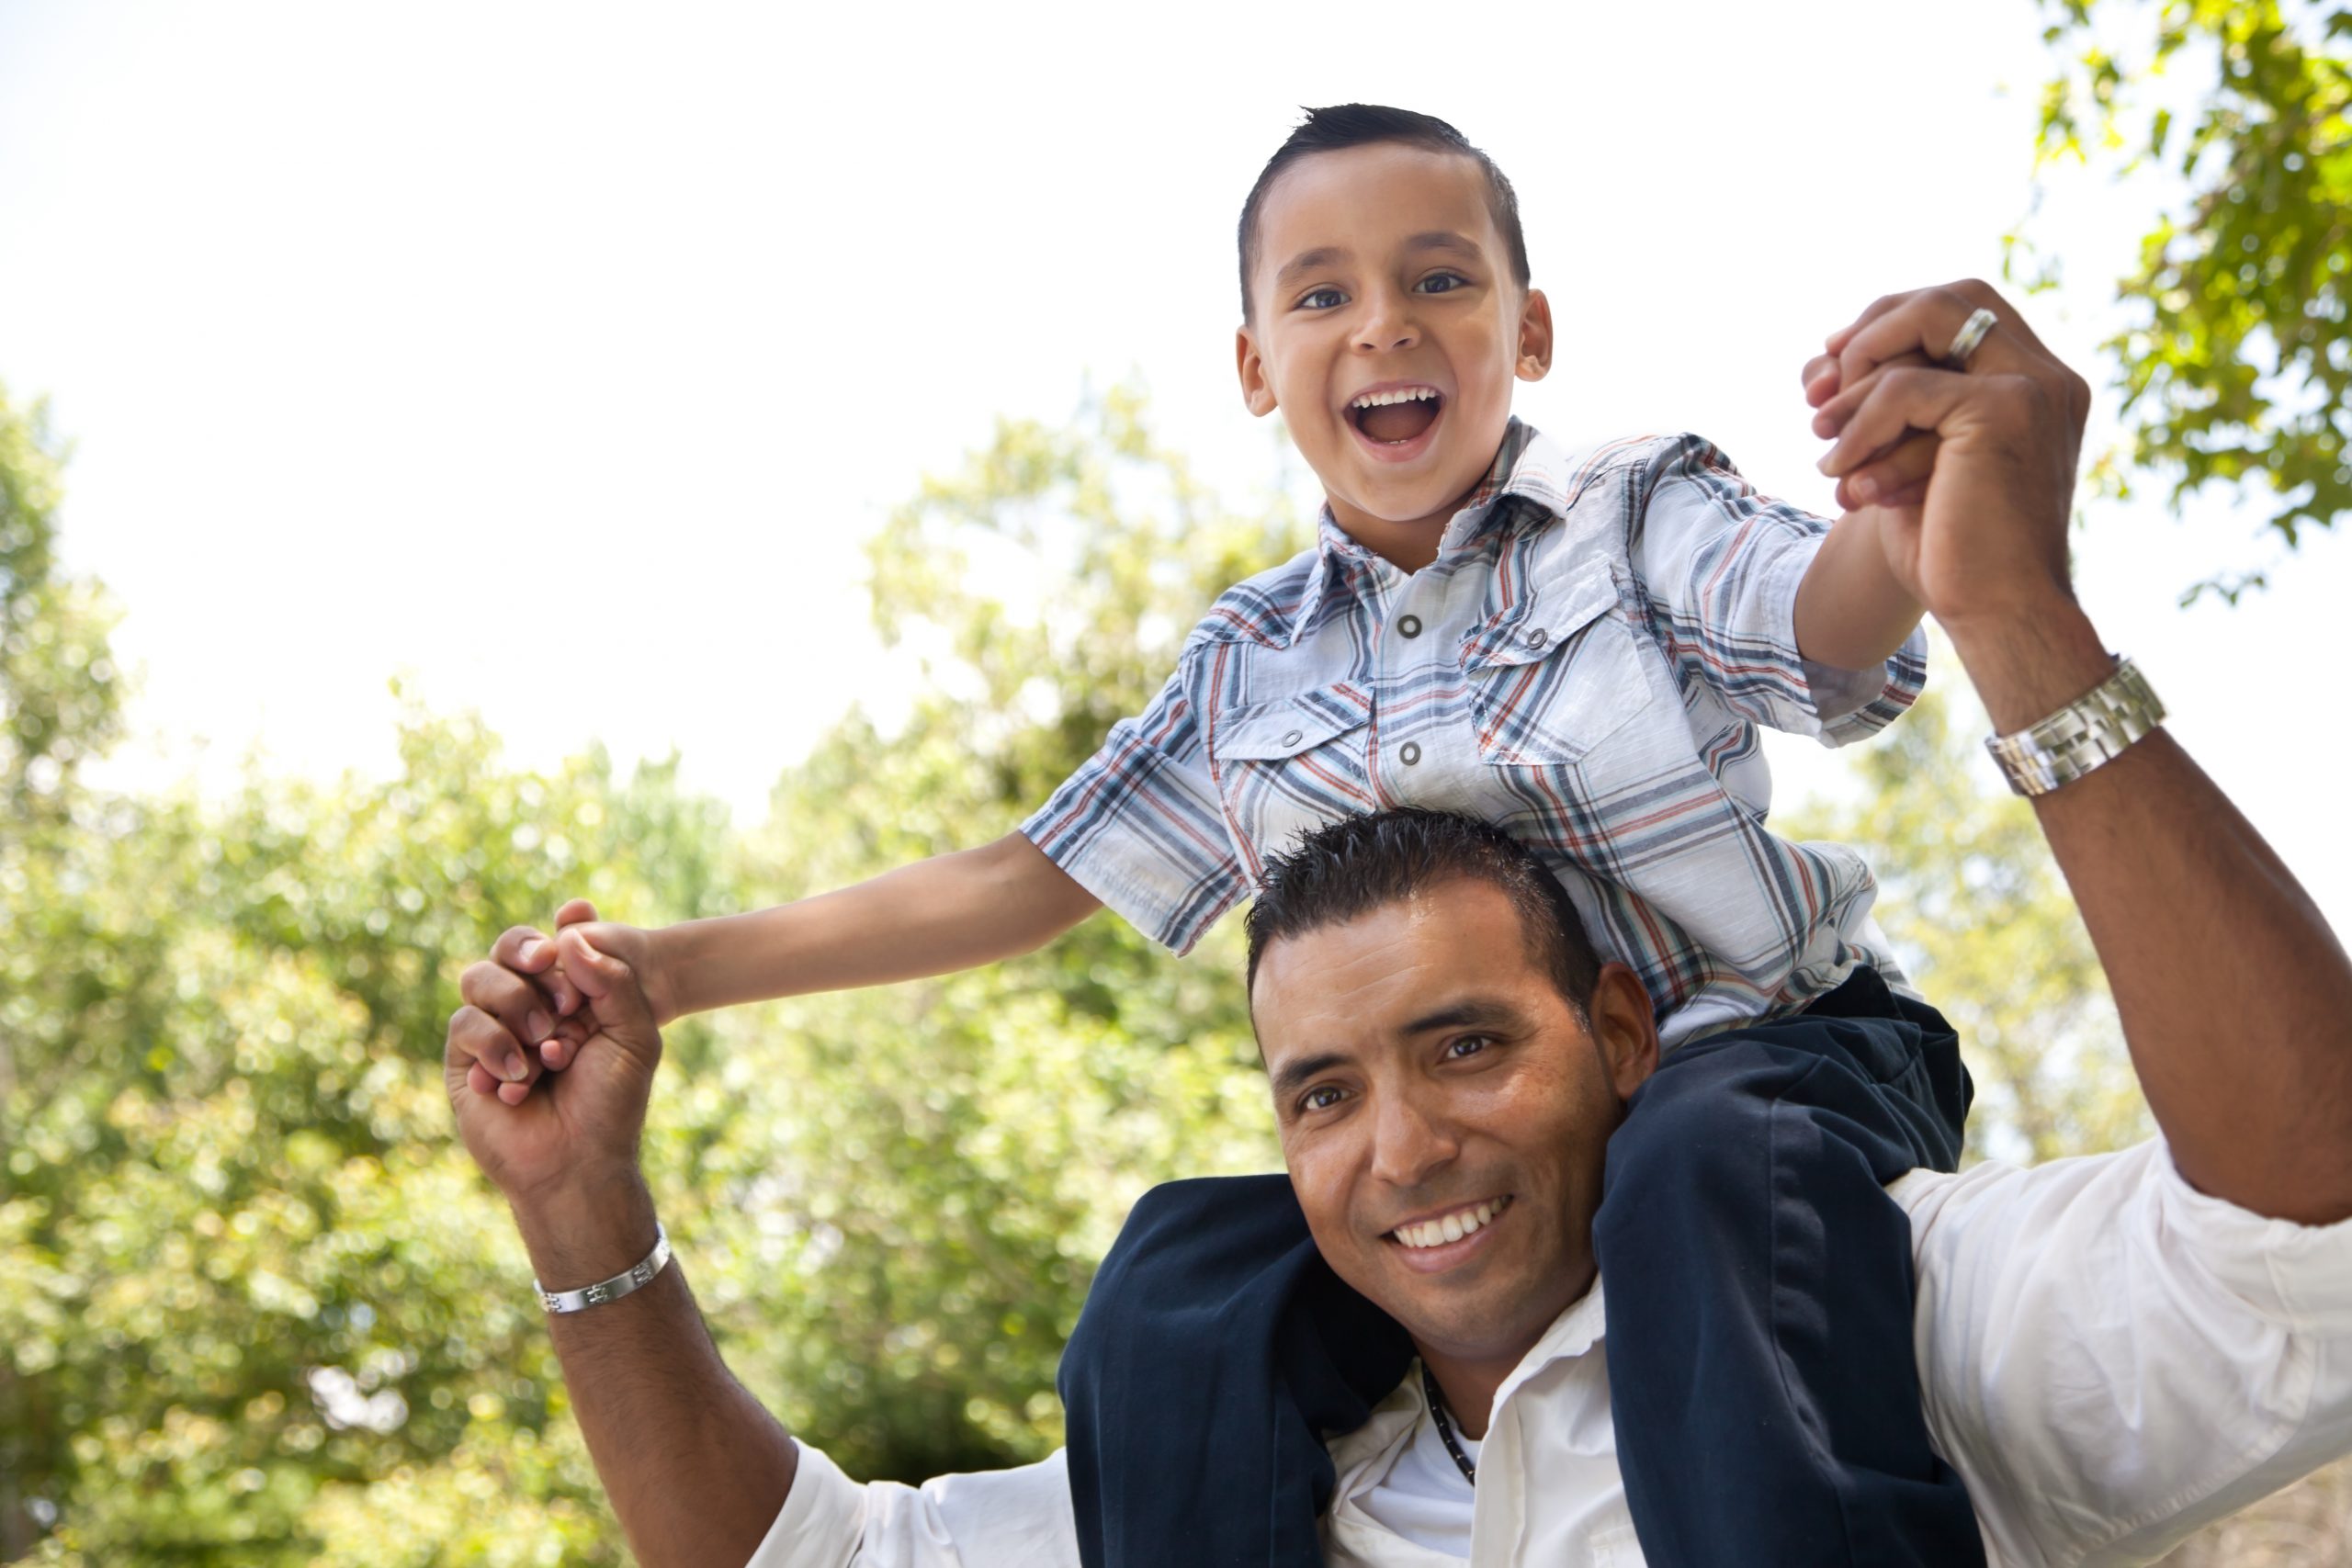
(1397,416)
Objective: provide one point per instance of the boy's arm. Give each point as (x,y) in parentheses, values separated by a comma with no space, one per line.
(1140,819)
(950,912)
(1852,612)
(1790,622)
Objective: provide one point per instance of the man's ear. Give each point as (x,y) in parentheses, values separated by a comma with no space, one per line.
(1624,1028)
(1257,391)
(1534,337)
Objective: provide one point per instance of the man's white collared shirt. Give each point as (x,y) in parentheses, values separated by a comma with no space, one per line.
(2108,1358)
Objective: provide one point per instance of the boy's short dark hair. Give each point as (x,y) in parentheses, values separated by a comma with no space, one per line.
(1357,864)
(1360,124)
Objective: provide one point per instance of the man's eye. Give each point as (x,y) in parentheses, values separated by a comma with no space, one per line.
(1319,1099)
(1442,283)
(1328,298)
(1468,1045)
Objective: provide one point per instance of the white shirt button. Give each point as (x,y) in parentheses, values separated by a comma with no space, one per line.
(1294,737)
(1537,637)
(1410,752)
(1410,626)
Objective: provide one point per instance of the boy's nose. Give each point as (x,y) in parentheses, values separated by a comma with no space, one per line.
(1388,323)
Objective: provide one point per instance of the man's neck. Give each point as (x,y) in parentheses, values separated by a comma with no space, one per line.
(1469,1385)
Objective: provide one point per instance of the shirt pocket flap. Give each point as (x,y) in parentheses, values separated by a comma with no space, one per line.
(1287,726)
(1544,622)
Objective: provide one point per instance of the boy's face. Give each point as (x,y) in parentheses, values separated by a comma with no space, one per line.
(1380,272)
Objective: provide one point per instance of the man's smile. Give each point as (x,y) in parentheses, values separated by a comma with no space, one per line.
(1433,1243)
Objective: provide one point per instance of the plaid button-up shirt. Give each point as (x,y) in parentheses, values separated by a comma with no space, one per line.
(1584,665)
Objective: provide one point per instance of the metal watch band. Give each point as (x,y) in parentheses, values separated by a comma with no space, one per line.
(2091,730)
(614,1289)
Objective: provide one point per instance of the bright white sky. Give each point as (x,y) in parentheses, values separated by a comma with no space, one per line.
(560,356)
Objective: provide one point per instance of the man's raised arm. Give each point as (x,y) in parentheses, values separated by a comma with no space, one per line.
(697,1470)
(2236,999)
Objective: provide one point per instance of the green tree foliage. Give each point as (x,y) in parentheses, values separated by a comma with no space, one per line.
(256,1305)
(2236,364)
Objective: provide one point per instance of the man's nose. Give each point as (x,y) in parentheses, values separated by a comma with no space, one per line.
(1410,1144)
(1388,321)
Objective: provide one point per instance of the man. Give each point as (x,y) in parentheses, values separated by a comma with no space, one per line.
(2111,1351)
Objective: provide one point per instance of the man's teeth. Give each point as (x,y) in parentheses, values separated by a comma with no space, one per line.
(1451,1227)
(1405,395)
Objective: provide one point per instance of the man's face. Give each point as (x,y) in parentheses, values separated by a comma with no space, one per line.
(1427,1073)
(1380,273)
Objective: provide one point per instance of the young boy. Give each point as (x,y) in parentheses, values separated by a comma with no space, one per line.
(1576,649)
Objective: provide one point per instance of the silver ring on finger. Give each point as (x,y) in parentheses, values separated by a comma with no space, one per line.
(1964,342)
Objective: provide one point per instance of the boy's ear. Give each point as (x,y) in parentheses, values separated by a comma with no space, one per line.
(1624,1028)
(1534,337)
(1257,391)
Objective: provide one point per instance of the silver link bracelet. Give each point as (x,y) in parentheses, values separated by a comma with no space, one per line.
(2088,732)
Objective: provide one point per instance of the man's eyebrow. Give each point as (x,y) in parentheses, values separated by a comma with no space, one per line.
(1308,260)
(1471,1013)
(1294,1076)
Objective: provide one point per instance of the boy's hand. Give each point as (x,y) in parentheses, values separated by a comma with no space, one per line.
(580,937)
(586,1126)
(526,987)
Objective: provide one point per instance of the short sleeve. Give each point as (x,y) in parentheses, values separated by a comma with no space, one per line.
(1140,825)
(1000,1518)
(2113,1361)
(1720,566)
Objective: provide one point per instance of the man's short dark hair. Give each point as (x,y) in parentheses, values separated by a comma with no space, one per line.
(1357,864)
(1361,125)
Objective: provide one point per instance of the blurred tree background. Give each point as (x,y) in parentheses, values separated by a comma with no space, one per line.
(2233,118)
(259,1309)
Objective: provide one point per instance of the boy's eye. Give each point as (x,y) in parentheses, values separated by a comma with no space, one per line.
(1323,300)
(1442,283)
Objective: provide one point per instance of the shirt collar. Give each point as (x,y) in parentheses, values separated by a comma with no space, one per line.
(1527,465)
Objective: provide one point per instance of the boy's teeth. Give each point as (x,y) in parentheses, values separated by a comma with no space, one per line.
(1451,1227)
(1408,394)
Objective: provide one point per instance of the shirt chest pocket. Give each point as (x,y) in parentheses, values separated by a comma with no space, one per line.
(1556,675)
(1292,764)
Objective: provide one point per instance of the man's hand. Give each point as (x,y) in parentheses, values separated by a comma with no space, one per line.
(1974,468)
(587,1121)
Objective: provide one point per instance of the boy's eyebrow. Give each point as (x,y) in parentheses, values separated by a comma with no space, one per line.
(1307,261)
(1325,256)
(1444,239)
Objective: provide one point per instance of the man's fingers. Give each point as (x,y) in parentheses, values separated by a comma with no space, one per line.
(1926,323)
(1899,400)
(519,1002)
(1833,415)
(478,1039)
(1896,476)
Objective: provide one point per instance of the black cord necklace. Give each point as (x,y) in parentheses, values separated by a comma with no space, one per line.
(1445,1427)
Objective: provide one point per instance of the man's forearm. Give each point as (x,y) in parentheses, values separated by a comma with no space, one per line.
(2236,999)
(697,1470)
